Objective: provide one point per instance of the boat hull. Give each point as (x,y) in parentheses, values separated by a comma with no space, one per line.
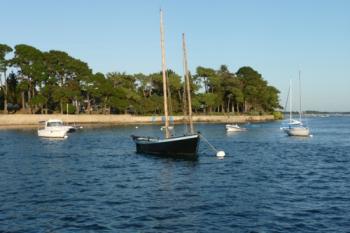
(184,147)
(234,128)
(69,129)
(47,133)
(298,131)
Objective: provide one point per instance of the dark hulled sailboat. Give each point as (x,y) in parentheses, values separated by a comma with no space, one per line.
(180,147)
(185,146)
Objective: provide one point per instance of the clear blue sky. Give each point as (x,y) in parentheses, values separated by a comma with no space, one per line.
(277,38)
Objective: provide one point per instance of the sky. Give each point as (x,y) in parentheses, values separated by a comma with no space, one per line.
(276,38)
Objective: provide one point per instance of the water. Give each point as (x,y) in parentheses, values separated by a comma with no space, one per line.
(94,182)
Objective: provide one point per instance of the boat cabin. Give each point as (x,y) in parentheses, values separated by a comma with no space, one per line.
(54,123)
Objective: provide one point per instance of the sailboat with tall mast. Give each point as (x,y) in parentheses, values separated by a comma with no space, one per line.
(291,122)
(185,146)
(299,129)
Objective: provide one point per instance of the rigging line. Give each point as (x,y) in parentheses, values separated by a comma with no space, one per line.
(300,112)
(285,105)
(210,145)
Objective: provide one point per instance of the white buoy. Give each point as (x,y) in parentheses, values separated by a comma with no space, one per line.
(220,154)
(136,127)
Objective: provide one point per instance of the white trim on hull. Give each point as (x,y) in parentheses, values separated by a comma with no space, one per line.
(149,139)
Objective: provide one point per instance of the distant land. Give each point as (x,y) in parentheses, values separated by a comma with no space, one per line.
(325,112)
(312,112)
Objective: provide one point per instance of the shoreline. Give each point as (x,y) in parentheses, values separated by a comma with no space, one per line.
(15,121)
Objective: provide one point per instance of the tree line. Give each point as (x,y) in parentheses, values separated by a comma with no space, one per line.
(34,81)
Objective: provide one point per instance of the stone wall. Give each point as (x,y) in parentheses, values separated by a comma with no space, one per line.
(27,119)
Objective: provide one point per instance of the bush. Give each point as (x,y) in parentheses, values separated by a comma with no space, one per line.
(278,115)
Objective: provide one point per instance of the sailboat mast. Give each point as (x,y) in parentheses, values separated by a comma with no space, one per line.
(187,80)
(290,101)
(167,135)
(299,97)
(184,97)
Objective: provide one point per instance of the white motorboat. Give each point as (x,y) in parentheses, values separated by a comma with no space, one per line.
(234,128)
(54,128)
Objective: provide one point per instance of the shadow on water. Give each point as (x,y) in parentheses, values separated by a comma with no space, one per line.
(179,158)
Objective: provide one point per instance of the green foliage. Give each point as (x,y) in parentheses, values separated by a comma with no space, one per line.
(196,103)
(38,100)
(278,115)
(210,99)
(4,49)
(71,109)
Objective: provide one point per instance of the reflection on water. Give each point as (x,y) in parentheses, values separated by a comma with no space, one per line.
(94,182)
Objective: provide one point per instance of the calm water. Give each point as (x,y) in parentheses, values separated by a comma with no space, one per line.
(94,182)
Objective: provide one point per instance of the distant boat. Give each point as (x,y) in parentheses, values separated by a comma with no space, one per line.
(185,146)
(54,128)
(298,128)
(234,128)
(170,127)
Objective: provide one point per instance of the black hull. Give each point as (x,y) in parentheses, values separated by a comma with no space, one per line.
(184,147)
(72,130)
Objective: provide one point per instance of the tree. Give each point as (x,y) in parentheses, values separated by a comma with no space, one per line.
(209,78)
(51,81)
(210,101)
(238,97)
(257,94)
(30,61)
(70,75)
(125,97)
(4,49)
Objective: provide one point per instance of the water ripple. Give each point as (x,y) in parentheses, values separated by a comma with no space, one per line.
(94,182)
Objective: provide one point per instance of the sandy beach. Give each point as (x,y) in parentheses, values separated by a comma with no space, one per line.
(27,120)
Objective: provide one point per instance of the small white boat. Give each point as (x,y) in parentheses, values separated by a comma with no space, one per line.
(54,129)
(170,127)
(234,128)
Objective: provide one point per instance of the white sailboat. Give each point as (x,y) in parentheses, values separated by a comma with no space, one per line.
(290,121)
(296,128)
